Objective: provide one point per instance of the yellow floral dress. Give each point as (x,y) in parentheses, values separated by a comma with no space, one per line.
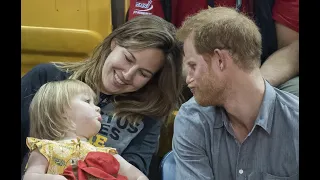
(61,153)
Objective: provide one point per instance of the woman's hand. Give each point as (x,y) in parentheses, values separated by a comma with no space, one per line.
(127,169)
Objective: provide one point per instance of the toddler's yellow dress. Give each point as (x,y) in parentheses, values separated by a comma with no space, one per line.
(61,153)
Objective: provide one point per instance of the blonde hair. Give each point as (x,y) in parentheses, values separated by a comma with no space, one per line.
(224,28)
(161,94)
(48,106)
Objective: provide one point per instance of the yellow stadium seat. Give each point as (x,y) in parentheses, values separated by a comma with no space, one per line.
(62,30)
(166,134)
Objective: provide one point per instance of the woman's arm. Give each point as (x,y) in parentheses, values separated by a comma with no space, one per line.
(127,169)
(37,168)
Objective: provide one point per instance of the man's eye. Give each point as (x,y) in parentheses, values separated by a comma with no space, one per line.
(192,66)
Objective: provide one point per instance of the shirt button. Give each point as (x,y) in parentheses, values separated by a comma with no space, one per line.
(240,171)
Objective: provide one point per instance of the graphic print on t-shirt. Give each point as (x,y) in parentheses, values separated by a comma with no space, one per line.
(114,132)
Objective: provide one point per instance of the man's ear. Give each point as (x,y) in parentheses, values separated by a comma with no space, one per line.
(113,44)
(221,57)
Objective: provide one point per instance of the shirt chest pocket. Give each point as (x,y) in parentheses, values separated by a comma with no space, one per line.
(266,176)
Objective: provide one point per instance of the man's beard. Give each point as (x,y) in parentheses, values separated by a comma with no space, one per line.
(211,92)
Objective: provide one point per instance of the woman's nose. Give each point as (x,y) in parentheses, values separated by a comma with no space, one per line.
(130,73)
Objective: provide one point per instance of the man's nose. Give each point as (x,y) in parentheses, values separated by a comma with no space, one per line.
(188,79)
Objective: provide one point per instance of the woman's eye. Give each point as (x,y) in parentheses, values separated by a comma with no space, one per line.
(129,60)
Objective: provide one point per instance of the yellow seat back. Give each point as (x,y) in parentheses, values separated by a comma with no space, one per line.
(62,30)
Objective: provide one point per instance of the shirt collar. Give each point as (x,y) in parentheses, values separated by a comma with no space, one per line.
(265,116)
(266,112)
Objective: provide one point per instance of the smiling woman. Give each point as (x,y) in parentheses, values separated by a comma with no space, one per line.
(136,70)
(129,70)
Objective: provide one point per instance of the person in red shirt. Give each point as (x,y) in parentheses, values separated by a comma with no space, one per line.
(281,69)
